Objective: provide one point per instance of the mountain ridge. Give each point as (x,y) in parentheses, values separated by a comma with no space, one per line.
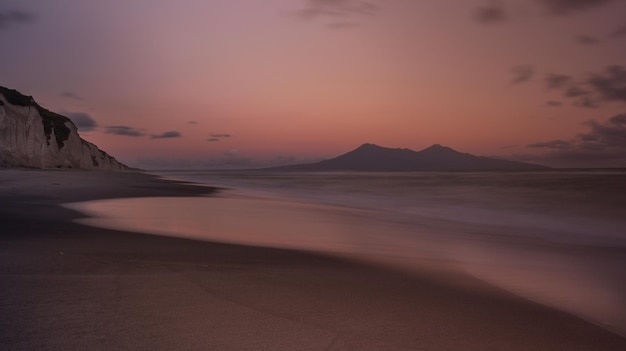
(371,158)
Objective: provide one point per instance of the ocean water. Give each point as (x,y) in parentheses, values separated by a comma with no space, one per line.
(556,237)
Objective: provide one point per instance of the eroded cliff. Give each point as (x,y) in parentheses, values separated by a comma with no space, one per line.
(32,136)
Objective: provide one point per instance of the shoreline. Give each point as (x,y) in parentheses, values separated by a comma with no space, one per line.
(69,286)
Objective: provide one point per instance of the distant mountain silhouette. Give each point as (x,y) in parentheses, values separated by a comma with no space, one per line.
(374,158)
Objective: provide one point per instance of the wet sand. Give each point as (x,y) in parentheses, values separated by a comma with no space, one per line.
(65,286)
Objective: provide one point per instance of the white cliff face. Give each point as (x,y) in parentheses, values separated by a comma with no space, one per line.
(28,139)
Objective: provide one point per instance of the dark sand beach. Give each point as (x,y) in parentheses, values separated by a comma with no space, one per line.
(64,286)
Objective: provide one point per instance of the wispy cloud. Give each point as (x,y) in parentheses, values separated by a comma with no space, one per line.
(340,13)
(124,131)
(554,144)
(218,136)
(167,135)
(553,103)
(221,135)
(557,81)
(575,91)
(586,102)
(618,32)
(610,84)
(587,40)
(522,73)
(71,95)
(83,121)
(491,13)
(11,17)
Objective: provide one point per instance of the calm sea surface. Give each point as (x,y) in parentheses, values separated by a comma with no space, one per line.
(557,237)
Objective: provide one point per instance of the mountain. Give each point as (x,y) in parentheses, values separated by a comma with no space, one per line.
(33,137)
(374,158)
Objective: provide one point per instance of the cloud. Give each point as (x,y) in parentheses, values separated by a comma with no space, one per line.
(491,13)
(167,135)
(611,84)
(611,133)
(220,135)
(10,17)
(83,121)
(618,33)
(552,103)
(575,91)
(604,144)
(125,131)
(522,73)
(566,7)
(343,13)
(587,40)
(554,144)
(557,81)
(607,86)
(71,95)
(586,102)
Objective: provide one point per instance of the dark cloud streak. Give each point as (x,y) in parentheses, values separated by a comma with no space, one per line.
(82,121)
(167,135)
(71,95)
(554,144)
(124,131)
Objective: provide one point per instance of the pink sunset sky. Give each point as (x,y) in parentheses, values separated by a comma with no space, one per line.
(251,83)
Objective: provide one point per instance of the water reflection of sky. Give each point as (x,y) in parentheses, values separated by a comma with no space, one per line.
(560,261)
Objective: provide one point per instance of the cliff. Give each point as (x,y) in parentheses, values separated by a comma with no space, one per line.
(33,137)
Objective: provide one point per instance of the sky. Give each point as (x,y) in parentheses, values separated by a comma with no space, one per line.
(250,83)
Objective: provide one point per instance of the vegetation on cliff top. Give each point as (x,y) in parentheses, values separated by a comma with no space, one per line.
(51,121)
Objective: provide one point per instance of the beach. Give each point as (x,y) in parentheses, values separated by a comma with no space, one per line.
(67,286)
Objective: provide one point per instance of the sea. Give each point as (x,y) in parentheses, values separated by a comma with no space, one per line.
(557,237)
